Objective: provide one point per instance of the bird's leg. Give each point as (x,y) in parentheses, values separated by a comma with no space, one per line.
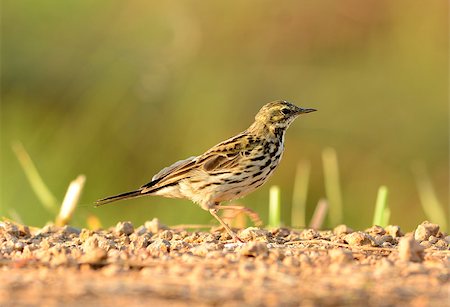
(227,228)
(251,214)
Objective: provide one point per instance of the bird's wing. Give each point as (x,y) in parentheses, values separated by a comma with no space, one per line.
(167,174)
(220,158)
(228,154)
(177,165)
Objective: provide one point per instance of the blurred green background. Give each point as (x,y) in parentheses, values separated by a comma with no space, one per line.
(116,90)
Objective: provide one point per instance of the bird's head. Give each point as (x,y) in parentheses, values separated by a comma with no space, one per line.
(279,114)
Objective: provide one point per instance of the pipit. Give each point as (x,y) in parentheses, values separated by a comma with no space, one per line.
(230,169)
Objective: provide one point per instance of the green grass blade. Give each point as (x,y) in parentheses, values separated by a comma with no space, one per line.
(386,217)
(332,185)
(46,198)
(380,215)
(300,194)
(274,207)
(432,207)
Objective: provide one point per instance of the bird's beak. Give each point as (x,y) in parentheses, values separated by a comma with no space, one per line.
(302,111)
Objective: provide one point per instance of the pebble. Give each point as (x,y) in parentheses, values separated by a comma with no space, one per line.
(125,228)
(393,230)
(90,244)
(432,239)
(140,230)
(203,249)
(442,244)
(358,238)
(281,232)
(309,234)
(179,252)
(166,235)
(376,230)
(426,244)
(141,241)
(93,256)
(155,226)
(254,233)
(68,230)
(159,246)
(340,255)
(17,230)
(254,249)
(410,250)
(342,229)
(380,240)
(425,230)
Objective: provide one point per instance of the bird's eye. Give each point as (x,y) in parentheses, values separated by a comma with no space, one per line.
(285,111)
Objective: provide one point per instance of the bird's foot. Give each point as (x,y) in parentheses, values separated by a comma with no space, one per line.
(254,216)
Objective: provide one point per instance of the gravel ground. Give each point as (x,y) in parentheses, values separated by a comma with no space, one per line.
(154,264)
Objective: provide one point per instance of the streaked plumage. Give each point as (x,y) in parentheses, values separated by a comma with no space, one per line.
(230,169)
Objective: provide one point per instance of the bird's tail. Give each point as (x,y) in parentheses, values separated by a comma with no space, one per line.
(126,195)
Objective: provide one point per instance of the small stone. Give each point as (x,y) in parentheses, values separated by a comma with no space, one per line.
(342,229)
(90,244)
(253,234)
(24,230)
(376,230)
(94,256)
(432,239)
(125,228)
(393,230)
(159,246)
(441,244)
(387,245)
(447,239)
(340,255)
(14,229)
(19,246)
(254,249)
(141,241)
(140,230)
(203,249)
(45,244)
(179,245)
(85,234)
(380,240)
(11,228)
(426,244)
(68,230)
(281,232)
(166,235)
(309,234)
(410,250)
(358,239)
(440,235)
(27,251)
(154,225)
(425,230)
(49,228)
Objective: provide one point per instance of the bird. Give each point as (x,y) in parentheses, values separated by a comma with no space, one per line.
(229,170)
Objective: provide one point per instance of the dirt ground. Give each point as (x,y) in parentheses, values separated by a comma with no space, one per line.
(156,265)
